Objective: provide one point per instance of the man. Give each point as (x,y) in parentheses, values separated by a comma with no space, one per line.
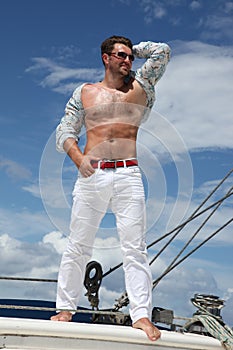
(111,111)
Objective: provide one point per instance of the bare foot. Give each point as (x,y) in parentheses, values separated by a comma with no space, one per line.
(64,316)
(147,326)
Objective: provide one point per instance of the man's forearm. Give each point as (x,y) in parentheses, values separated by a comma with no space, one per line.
(71,148)
(157,55)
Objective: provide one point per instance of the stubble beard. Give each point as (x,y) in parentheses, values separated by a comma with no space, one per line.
(124,70)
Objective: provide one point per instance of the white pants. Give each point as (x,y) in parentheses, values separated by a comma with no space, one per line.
(122,190)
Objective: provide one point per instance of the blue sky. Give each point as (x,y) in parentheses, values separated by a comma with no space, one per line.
(186,147)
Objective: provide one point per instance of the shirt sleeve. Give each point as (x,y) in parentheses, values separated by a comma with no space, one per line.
(157,56)
(73,120)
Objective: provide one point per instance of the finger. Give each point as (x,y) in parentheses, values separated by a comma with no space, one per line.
(89,172)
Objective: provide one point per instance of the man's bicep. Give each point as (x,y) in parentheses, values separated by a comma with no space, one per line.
(157,57)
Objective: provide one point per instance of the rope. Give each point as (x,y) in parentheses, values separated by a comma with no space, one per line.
(38,308)
(221,332)
(30,279)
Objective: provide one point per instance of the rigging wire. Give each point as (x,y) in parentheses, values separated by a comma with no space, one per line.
(192,251)
(188,220)
(181,226)
(196,233)
(173,230)
(194,214)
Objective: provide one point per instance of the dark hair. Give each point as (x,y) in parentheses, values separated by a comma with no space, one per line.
(108,44)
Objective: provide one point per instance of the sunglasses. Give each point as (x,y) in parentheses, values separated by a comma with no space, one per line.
(122,55)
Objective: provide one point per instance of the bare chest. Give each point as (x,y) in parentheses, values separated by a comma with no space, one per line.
(95,96)
(103,105)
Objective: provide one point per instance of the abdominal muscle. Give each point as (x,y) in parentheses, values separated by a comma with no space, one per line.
(105,143)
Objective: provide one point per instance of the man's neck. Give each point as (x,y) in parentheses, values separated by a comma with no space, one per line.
(115,83)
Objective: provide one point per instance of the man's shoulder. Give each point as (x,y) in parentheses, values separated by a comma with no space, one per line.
(90,87)
(82,89)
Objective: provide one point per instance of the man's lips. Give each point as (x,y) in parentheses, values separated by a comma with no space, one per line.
(125,66)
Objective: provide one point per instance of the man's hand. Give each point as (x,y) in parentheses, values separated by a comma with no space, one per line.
(82,161)
(85,167)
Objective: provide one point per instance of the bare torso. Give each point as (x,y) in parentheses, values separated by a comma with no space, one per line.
(112,118)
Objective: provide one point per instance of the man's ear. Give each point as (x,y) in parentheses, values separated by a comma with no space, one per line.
(105,58)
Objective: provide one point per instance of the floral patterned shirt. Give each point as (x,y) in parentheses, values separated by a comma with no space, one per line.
(157,56)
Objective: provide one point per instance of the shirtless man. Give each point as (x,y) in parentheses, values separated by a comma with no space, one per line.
(111,111)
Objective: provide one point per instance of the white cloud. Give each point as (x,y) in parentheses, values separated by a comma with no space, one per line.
(195,5)
(58,77)
(228,7)
(24,223)
(56,240)
(21,258)
(66,53)
(227,310)
(176,296)
(153,10)
(195,94)
(14,170)
(221,216)
(217,27)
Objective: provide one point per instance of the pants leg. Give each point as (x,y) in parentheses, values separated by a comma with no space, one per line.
(90,202)
(128,204)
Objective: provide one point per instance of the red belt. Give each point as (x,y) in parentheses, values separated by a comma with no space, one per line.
(113,164)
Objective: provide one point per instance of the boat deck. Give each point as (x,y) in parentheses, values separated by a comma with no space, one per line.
(31,334)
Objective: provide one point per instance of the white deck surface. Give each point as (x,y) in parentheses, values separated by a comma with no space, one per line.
(42,334)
